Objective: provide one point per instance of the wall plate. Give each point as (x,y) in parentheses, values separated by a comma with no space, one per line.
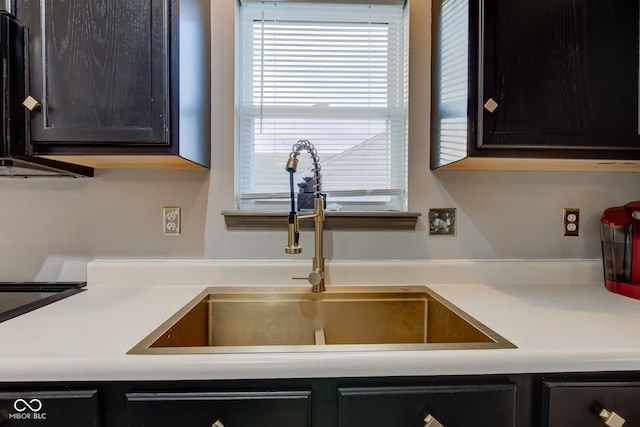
(570,222)
(171,220)
(442,222)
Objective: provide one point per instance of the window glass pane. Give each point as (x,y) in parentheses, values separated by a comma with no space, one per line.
(336,77)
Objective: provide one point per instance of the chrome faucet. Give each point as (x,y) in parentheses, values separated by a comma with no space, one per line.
(316,277)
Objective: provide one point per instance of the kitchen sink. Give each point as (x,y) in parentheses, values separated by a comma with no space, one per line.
(293,319)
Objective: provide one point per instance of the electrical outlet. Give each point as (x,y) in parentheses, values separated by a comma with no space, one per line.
(570,222)
(171,220)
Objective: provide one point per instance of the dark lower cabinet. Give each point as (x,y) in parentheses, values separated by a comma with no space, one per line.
(459,405)
(520,400)
(220,409)
(590,403)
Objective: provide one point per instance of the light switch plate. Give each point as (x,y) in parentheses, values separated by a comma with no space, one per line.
(442,222)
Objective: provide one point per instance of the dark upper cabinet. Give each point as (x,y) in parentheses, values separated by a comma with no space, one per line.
(535,85)
(120,83)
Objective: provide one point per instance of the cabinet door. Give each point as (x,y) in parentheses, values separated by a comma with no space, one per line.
(227,409)
(99,69)
(578,404)
(563,74)
(459,405)
(49,408)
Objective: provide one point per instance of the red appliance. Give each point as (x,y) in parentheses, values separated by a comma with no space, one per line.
(620,236)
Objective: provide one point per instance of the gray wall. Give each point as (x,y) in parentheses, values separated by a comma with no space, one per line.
(501,215)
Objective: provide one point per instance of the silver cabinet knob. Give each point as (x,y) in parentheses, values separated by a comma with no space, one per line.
(31,103)
(430,421)
(490,105)
(611,418)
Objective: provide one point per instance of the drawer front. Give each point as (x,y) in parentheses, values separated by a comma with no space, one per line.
(228,409)
(573,403)
(450,406)
(49,408)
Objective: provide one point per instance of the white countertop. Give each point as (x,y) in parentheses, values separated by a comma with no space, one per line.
(557,313)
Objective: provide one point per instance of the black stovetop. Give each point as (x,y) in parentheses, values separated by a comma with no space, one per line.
(17,298)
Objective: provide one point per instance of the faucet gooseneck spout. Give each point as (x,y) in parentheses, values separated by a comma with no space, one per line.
(316,277)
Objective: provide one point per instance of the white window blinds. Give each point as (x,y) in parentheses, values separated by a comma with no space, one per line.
(335,75)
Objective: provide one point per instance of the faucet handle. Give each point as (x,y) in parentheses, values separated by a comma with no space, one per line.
(316,279)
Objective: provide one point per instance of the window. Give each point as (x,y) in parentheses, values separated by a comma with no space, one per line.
(335,75)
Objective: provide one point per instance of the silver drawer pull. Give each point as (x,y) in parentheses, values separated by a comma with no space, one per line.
(430,421)
(611,418)
(218,423)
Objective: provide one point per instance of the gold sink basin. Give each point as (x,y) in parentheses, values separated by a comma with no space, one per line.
(292,319)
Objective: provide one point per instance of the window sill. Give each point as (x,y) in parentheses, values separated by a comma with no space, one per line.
(269,220)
